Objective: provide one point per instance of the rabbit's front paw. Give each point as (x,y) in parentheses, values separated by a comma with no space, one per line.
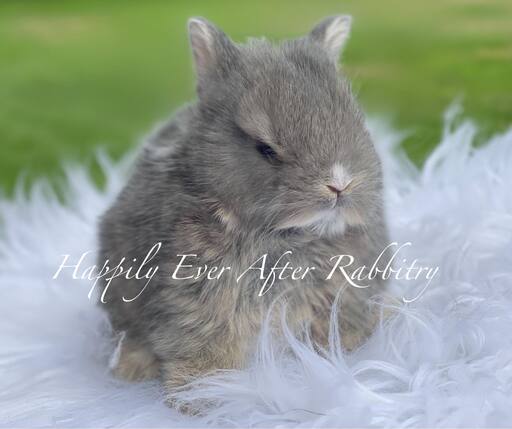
(136,362)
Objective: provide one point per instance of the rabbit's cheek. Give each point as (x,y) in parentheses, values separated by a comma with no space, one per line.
(227,218)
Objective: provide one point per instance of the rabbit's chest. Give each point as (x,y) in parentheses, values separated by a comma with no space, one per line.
(252,267)
(262,271)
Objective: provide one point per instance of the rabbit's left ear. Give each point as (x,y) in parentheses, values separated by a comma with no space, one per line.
(332,33)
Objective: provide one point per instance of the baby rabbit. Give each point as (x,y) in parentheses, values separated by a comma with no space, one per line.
(273,157)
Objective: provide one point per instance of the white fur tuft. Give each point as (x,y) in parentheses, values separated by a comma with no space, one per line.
(340,176)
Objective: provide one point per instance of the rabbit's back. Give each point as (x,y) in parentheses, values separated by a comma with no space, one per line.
(143,215)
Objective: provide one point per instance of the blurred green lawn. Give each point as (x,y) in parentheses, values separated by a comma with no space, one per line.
(75,75)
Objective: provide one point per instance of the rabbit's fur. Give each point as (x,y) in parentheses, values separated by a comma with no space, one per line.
(241,173)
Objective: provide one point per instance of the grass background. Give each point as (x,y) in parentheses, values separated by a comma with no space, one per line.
(79,74)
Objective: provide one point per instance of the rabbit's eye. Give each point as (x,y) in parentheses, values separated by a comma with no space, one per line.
(267,152)
(264,149)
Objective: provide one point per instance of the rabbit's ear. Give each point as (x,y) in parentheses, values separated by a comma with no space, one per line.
(213,51)
(332,34)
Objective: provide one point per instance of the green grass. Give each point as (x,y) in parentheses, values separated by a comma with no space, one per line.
(76,75)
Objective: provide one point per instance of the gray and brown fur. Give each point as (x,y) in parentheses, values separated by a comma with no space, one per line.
(206,183)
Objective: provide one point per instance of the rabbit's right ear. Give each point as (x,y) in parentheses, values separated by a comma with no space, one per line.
(214,53)
(332,33)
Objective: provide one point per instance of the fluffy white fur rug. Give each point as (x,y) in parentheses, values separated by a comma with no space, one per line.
(444,359)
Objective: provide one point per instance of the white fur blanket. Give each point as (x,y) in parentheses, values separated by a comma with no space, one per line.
(445,359)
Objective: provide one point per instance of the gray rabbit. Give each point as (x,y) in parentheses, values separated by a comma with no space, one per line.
(272,159)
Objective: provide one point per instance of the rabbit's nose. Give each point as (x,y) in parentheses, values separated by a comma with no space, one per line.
(334,189)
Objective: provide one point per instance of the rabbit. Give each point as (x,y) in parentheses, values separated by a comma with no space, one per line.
(272,159)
